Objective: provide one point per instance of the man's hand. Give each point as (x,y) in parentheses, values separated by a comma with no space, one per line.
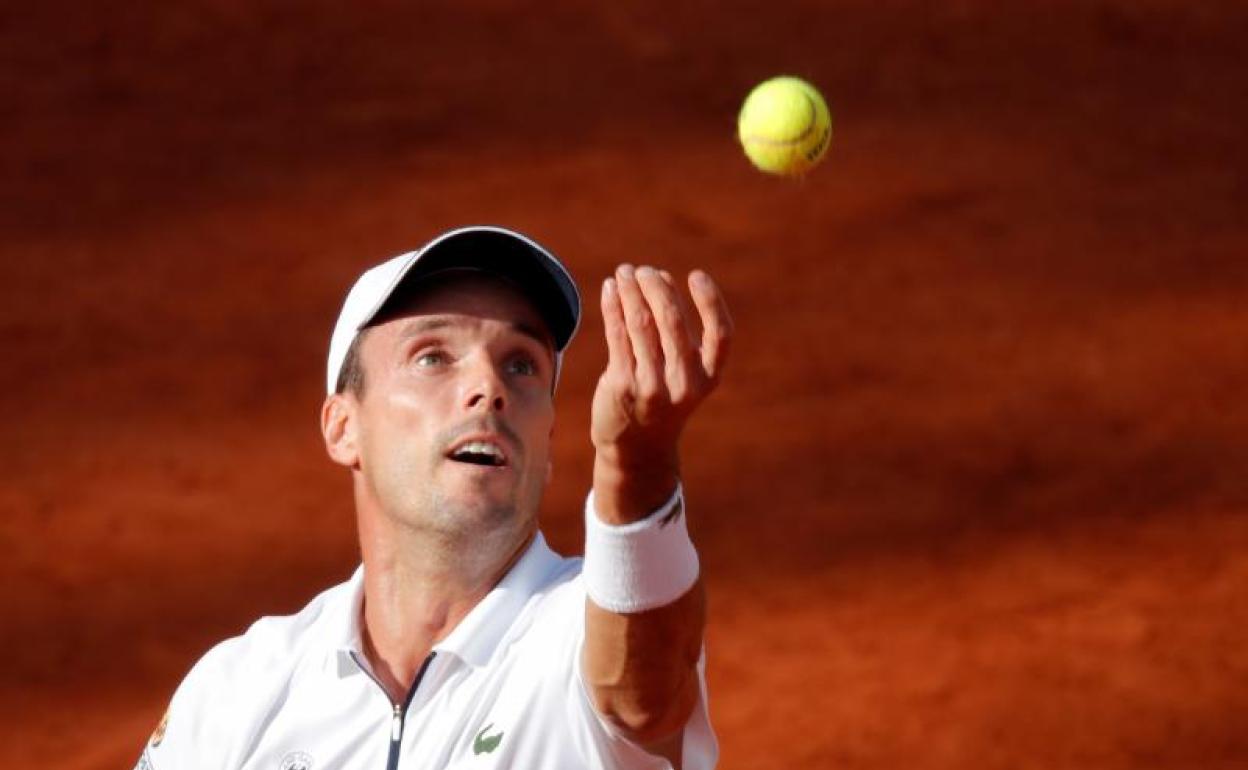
(658,371)
(641,668)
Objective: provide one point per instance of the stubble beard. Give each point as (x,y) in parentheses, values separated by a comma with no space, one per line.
(471,513)
(461,517)
(472,529)
(468,515)
(474,509)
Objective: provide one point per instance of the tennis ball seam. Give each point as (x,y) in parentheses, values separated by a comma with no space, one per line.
(805,134)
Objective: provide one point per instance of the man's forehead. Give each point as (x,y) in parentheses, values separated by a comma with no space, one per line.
(419,324)
(460,298)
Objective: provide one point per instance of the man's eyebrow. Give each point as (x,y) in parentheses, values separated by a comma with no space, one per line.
(420,326)
(540,335)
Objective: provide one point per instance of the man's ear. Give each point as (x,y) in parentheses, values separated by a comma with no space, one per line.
(338,428)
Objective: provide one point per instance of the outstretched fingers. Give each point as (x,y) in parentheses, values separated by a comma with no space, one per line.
(716,323)
(686,309)
(656,358)
(642,335)
(619,349)
(681,370)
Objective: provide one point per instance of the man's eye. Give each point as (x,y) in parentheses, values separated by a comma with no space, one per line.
(431,358)
(523,365)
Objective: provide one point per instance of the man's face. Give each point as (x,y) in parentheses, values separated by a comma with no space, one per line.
(455,420)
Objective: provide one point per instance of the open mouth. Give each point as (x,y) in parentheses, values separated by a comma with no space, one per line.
(484,453)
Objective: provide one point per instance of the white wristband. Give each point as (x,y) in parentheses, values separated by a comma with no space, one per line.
(642,565)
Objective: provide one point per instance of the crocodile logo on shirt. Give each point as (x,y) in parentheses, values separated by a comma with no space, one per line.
(485,744)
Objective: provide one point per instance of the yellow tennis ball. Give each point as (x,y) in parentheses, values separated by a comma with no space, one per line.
(784,126)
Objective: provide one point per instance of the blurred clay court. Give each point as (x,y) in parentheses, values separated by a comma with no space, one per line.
(974,491)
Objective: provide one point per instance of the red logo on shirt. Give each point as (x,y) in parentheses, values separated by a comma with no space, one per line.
(158,734)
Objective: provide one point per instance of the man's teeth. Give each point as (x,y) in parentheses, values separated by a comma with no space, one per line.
(479,451)
(481,448)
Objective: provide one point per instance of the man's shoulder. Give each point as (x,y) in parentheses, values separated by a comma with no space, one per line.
(555,608)
(560,584)
(276,643)
(228,695)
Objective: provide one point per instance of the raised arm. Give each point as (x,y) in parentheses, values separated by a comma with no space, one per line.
(640,666)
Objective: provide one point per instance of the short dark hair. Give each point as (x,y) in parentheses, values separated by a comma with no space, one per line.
(351,375)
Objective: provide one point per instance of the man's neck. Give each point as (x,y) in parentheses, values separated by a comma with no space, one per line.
(415,596)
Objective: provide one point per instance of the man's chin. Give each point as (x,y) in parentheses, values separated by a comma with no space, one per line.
(477,507)
(473,501)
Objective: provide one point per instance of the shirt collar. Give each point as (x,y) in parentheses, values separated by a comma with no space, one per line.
(477,635)
(342,625)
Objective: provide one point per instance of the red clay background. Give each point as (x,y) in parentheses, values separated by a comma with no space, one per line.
(972,495)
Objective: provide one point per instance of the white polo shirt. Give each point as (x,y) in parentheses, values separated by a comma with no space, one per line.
(503,690)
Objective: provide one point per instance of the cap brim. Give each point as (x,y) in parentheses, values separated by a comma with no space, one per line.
(509,255)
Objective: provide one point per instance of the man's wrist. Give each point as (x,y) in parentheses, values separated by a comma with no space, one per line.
(641,565)
(629,491)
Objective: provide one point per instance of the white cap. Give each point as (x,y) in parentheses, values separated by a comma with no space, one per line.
(496,250)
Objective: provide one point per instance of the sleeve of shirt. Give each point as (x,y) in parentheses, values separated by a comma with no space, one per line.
(195,731)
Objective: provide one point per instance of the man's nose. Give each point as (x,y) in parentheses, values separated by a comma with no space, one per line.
(485,389)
